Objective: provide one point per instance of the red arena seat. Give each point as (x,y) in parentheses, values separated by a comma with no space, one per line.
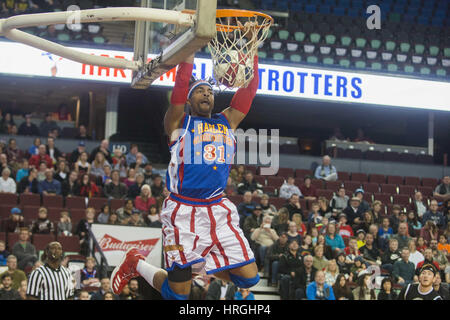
(371,187)
(40,241)
(408,190)
(343,175)
(430,182)
(397,180)
(401,199)
(412,181)
(8,198)
(383,197)
(358,176)
(52,201)
(301,173)
(285,172)
(30,199)
(97,203)
(377,178)
(75,202)
(388,188)
(69,244)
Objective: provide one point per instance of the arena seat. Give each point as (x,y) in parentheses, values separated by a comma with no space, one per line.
(285,172)
(344,176)
(30,199)
(54,214)
(270,190)
(377,178)
(352,185)
(69,244)
(52,201)
(3,236)
(40,241)
(388,188)
(401,199)
(275,181)
(360,177)
(116,204)
(426,191)
(368,196)
(76,215)
(385,198)
(252,169)
(412,181)
(5,210)
(430,182)
(371,187)
(97,203)
(325,193)
(75,203)
(30,212)
(301,173)
(408,190)
(8,198)
(235,199)
(12,239)
(397,180)
(260,179)
(277,202)
(333,185)
(304,204)
(318,184)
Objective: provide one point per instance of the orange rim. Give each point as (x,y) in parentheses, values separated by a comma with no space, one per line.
(236,13)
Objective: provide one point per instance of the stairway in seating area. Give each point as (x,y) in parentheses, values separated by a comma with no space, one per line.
(263,292)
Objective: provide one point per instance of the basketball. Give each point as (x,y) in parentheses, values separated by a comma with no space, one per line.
(233,69)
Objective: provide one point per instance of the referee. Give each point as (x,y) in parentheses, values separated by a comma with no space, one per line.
(51,281)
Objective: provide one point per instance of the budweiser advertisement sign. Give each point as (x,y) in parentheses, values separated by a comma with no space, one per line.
(116,240)
(109,243)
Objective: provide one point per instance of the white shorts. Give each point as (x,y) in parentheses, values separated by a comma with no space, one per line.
(204,234)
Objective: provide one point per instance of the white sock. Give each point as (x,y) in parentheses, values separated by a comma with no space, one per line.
(147,271)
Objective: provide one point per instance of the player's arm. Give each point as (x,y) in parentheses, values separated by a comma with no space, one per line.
(242,99)
(175,114)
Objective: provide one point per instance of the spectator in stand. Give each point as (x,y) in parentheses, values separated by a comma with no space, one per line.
(115,189)
(82,165)
(413,221)
(23,171)
(344,267)
(6,123)
(42,225)
(145,200)
(403,218)
(442,191)
(319,261)
(434,215)
(7,292)
(49,186)
(293,233)
(264,236)
(220,290)
(360,137)
(14,223)
(77,152)
(344,230)
(273,255)
(363,205)
(421,246)
(331,272)
(314,217)
(14,131)
(339,201)
(82,230)
(326,171)
(103,148)
(157,186)
(89,274)
(418,205)
(267,208)
(104,214)
(386,291)
(281,221)
(105,288)
(357,268)
(82,134)
(28,128)
(34,149)
(14,154)
(113,219)
(294,206)
(402,236)
(341,289)
(249,184)
(385,232)
(390,256)
(427,259)
(443,245)
(41,172)
(441,288)
(121,165)
(333,239)
(319,290)
(136,219)
(148,173)
(354,213)
(17,275)
(324,208)
(246,207)
(289,262)
(52,151)
(153,219)
(41,157)
(4,163)
(29,184)
(47,125)
(64,224)
(369,252)
(303,276)
(377,212)
(337,134)
(63,114)
(7,184)
(301,227)
(429,232)
(252,222)
(106,178)
(308,190)
(3,253)
(364,290)
(62,170)
(403,270)
(24,250)
(244,294)
(135,189)
(88,188)
(124,213)
(131,178)
(131,155)
(70,187)
(237,174)
(289,188)
(441,258)
(97,166)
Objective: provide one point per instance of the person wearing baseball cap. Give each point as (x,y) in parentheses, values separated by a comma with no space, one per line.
(354,212)
(424,289)
(364,205)
(345,230)
(14,222)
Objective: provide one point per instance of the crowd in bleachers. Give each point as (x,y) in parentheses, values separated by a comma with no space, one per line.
(299,224)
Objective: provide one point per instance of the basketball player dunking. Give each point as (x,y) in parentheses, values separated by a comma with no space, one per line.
(201,230)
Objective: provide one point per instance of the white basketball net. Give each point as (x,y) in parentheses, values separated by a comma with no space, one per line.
(233,49)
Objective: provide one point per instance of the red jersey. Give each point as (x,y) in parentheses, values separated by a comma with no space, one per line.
(346,231)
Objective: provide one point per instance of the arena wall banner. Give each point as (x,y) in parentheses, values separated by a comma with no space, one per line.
(116,240)
(275,80)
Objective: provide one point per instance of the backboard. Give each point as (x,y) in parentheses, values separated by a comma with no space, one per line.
(173,43)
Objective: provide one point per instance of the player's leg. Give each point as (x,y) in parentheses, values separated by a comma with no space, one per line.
(243,277)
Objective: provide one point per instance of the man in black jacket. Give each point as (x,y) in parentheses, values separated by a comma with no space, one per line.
(354,213)
(215,291)
(288,263)
(29,184)
(273,255)
(390,256)
(71,186)
(294,206)
(249,184)
(302,277)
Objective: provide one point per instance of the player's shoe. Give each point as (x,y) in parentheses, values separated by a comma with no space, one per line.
(126,270)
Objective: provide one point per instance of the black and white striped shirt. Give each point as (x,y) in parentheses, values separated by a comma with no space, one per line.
(46,283)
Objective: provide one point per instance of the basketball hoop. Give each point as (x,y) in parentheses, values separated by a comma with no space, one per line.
(238,36)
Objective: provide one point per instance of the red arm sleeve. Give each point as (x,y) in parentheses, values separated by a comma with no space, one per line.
(242,99)
(181,88)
